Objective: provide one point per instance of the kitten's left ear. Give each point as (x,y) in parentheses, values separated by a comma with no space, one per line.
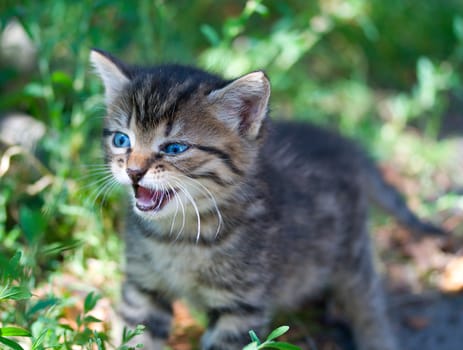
(243,103)
(112,72)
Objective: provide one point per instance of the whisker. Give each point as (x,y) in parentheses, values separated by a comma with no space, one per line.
(113,183)
(109,181)
(96,182)
(94,165)
(196,183)
(214,202)
(193,203)
(98,173)
(162,190)
(183,216)
(176,207)
(94,171)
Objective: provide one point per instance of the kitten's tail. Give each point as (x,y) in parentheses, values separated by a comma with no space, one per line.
(388,198)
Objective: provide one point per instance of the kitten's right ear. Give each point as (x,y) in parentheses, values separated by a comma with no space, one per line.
(112,72)
(243,103)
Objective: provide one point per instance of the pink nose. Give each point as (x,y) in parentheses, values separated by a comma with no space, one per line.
(135,174)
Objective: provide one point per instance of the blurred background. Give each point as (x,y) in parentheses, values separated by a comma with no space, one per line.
(386,73)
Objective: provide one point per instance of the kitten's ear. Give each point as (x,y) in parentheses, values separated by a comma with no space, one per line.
(112,72)
(243,103)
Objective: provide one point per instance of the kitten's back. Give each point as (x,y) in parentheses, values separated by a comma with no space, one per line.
(313,149)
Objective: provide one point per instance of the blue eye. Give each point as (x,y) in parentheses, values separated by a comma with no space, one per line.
(121,140)
(175,148)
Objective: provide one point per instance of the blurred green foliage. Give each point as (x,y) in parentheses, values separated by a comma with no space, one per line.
(383,72)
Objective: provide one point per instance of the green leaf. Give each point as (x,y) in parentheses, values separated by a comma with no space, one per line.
(90,301)
(233,27)
(10,343)
(14,332)
(277,332)
(210,34)
(251,346)
(38,341)
(458,27)
(15,293)
(57,248)
(34,90)
(13,269)
(66,327)
(255,6)
(61,78)
(99,339)
(280,346)
(41,305)
(254,337)
(139,329)
(32,222)
(83,337)
(128,334)
(91,319)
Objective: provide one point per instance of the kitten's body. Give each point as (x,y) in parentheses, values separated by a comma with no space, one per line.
(278,218)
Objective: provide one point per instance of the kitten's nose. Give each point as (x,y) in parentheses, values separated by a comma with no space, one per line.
(135,174)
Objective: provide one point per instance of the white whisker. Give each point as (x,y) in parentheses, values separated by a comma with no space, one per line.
(107,184)
(97,182)
(107,189)
(97,165)
(113,183)
(92,174)
(204,189)
(193,203)
(183,216)
(172,190)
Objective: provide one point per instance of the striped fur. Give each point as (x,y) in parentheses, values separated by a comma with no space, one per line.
(262,216)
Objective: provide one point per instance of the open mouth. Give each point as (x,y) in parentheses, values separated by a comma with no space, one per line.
(148,199)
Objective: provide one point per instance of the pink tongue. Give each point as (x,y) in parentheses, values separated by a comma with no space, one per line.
(148,197)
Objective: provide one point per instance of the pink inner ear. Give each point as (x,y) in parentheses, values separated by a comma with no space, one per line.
(242,103)
(248,112)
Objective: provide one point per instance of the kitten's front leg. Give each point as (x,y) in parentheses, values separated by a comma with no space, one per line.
(150,309)
(360,293)
(229,326)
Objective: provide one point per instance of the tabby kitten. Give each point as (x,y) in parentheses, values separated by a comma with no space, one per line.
(239,216)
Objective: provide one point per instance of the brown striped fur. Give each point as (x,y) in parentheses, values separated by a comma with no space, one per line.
(282,207)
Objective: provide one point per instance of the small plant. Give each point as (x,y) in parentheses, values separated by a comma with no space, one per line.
(270,342)
(129,334)
(12,332)
(13,289)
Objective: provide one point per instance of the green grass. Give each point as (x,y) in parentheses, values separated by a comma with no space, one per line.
(347,64)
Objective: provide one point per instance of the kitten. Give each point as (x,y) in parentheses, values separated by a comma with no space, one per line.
(237,215)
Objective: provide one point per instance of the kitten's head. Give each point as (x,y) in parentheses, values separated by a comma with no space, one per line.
(181,138)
